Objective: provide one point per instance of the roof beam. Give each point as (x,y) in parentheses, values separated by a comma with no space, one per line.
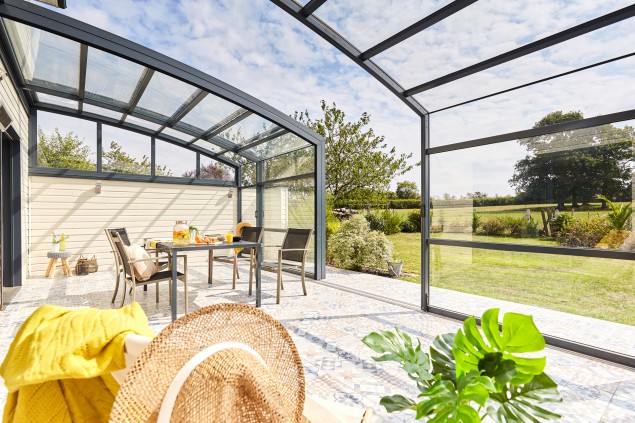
(567,34)
(337,41)
(83,59)
(417,27)
(311,7)
(261,139)
(604,62)
(223,125)
(184,109)
(144,80)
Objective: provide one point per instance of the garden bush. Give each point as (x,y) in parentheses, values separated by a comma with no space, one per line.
(585,233)
(493,226)
(518,227)
(375,221)
(476,221)
(355,246)
(387,222)
(413,222)
(560,224)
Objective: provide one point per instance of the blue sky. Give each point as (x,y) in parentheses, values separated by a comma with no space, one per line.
(256,47)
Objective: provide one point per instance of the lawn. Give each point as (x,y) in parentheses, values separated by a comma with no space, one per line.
(594,287)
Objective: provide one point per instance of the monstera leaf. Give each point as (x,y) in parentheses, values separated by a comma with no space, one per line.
(523,404)
(395,403)
(442,357)
(398,347)
(519,335)
(447,402)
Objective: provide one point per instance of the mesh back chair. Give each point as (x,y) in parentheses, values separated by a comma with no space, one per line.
(248,234)
(164,263)
(294,249)
(129,276)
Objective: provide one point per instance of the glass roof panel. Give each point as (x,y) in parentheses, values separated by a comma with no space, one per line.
(45,59)
(143,123)
(110,78)
(211,169)
(235,157)
(57,101)
(365,26)
(484,30)
(247,130)
(209,112)
(280,145)
(101,111)
(604,44)
(163,96)
(208,146)
(596,91)
(177,134)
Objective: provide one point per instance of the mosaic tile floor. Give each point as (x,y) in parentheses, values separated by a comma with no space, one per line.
(327,326)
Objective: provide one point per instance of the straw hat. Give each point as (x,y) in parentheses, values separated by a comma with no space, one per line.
(222,363)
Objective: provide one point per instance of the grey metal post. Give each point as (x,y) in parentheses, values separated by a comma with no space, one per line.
(425,213)
(239,194)
(100,147)
(320,212)
(197,174)
(33,138)
(260,190)
(153,157)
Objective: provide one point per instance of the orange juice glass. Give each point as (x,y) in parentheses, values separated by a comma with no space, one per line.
(229,237)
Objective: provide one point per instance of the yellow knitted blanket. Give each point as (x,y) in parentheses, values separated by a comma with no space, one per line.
(58,366)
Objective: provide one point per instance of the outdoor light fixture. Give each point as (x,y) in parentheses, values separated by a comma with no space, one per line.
(55,3)
(230,194)
(98,187)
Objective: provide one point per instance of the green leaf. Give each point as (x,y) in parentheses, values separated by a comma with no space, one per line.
(396,403)
(519,335)
(447,402)
(524,404)
(442,357)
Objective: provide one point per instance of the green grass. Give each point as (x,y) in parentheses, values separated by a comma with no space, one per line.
(593,287)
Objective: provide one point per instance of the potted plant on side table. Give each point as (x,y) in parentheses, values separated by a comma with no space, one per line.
(59,242)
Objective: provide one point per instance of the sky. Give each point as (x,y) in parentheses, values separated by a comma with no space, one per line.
(258,48)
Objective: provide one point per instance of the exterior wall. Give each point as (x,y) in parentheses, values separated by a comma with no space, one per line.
(20,122)
(146,210)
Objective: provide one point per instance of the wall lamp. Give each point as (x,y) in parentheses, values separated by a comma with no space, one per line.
(98,187)
(230,194)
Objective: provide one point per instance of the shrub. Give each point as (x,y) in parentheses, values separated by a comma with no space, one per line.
(392,222)
(355,246)
(585,233)
(560,224)
(409,227)
(375,221)
(493,226)
(619,215)
(531,229)
(414,219)
(614,239)
(476,221)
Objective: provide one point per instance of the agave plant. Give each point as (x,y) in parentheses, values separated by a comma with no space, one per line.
(619,215)
(474,373)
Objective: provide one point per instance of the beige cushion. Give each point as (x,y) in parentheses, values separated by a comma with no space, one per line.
(143,270)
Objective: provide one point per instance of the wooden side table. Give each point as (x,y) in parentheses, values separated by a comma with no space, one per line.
(53,256)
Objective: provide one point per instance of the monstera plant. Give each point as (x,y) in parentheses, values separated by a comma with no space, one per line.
(474,373)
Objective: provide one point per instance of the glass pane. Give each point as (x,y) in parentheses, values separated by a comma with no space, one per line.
(291,164)
(366,26)
(177,134)
(247,129)
(206,145)
(248,203)
(65,142)
(173,160)
(594,92)
(125,151)
(604,44)
(101,111)
(142,122)
(540,190)
(209,112)
(236,158)
(482,31)
(211,169)
(282,144)
(45,59)
(288,205)
(163,96)
(582,299)
(57,101)
(110,78)
(248,173)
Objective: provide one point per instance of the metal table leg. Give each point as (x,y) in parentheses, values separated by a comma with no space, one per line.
(258,276)
(173,287)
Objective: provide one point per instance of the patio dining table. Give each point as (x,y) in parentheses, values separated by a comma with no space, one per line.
(174,251)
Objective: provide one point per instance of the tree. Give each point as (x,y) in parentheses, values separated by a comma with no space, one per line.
(117,160)
(357,160)
(575,165)
(407,190)
(212,170)
(63,151)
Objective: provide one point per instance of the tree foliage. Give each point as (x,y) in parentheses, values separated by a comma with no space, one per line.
(407,190)
(63,151)
(575,165)
(212,170)
(359,163)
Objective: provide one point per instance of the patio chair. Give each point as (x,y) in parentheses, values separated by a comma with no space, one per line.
(248,234)
(129,276)
(162,264)
(294,249)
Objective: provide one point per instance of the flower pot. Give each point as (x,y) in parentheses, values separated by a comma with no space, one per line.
(55,248)
(394,268)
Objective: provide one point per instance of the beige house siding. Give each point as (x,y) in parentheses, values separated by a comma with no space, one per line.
(71,206)
(20,122)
